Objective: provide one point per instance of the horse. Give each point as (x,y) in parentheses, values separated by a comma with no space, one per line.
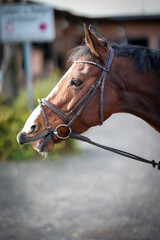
(103,78)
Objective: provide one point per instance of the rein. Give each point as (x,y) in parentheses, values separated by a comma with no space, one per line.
(50,133)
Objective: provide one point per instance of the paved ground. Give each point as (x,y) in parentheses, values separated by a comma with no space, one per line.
(95,195)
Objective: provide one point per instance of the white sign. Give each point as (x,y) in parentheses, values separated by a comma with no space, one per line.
(26,23)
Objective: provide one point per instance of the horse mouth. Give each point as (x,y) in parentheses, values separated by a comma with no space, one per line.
(40,144)
(43,144)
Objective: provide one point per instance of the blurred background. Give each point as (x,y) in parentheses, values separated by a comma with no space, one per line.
(85,193)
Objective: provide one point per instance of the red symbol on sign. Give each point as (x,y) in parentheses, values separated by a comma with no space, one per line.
(43,27)
(9,28)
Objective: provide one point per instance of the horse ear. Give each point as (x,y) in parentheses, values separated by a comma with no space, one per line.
(94,31)
(96,46)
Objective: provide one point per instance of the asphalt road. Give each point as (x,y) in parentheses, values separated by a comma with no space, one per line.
(94,195)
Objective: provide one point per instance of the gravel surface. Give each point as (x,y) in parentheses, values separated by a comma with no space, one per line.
(94,195)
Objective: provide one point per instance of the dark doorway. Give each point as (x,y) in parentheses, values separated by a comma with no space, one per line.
(138,41)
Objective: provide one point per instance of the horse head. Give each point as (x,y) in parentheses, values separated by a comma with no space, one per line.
(68,95)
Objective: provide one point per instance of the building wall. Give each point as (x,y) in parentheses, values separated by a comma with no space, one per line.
(70,33)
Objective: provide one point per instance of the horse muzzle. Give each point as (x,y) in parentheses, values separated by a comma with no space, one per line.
(39,142)
(21,138)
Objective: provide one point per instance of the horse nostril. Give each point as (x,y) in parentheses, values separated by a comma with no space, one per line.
(32,129)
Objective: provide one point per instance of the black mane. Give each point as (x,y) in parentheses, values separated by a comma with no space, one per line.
(143,57)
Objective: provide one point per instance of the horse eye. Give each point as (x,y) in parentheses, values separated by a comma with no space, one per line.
(76,82)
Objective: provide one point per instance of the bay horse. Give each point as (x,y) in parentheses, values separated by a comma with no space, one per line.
(103,79)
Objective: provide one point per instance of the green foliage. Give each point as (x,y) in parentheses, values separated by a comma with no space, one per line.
(13,118)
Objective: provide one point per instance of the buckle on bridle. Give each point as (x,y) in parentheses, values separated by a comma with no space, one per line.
(56,131)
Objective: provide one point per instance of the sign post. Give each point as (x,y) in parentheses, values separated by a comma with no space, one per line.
(28,73)
(27,23)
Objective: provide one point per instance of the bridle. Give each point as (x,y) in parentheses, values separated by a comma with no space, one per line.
(81,105)
(54,133)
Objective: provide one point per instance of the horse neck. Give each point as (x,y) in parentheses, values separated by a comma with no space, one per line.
(139,94)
